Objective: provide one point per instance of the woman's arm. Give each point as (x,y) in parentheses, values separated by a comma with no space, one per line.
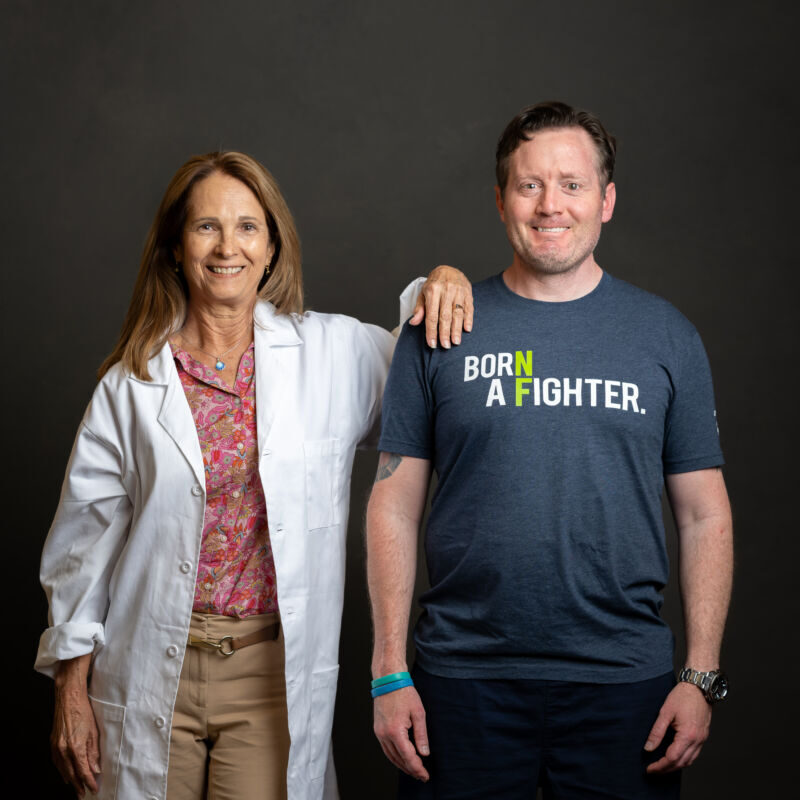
(87,535)
(82,548)
(75,739)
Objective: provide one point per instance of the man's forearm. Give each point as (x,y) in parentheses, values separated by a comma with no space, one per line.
(706,576)
(705,532)
(393,517)
(391,568)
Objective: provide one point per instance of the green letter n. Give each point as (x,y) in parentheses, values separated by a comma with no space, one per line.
(523,362)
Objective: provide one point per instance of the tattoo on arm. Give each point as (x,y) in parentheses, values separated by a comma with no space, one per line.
(387,464)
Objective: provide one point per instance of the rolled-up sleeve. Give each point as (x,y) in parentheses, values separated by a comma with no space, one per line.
(82,549)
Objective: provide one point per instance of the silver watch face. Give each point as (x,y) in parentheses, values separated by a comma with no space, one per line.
(718,690)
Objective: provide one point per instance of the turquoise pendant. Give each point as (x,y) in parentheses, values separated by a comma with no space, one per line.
(220,365)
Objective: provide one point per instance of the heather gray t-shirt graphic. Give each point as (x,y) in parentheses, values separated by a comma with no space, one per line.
(551,428)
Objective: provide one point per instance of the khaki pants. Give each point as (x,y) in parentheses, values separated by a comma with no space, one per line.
(230,733)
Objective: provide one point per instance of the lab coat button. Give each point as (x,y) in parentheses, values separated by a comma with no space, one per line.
(268,452)
(279,526)
(196,490)
(172,651)
(160,722)
(185,567)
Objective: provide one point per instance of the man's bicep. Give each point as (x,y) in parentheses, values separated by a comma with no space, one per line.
(401,484)
(698,495)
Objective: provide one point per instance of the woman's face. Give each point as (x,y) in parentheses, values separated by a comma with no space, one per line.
(225,245)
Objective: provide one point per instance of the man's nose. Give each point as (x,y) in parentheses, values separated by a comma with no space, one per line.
(549,200)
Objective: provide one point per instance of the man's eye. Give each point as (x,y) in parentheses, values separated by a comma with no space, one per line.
(573,187)
(530,186)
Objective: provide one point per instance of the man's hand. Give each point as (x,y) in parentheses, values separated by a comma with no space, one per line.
(688,712)
(75,739)
(395,714)
(444,302)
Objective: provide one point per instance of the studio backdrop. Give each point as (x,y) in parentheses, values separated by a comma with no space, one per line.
(380,120)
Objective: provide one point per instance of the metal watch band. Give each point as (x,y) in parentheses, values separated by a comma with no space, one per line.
(705,681)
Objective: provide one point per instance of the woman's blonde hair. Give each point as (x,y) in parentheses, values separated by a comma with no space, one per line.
(158,305)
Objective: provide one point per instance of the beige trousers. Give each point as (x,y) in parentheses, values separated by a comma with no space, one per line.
(230,732)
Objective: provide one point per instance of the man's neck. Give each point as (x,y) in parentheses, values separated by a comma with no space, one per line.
(552,288)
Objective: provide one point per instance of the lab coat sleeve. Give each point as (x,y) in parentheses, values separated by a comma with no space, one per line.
(408,299)
(82,549)
(376,355)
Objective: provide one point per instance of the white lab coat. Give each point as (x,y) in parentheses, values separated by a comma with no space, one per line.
(120,561)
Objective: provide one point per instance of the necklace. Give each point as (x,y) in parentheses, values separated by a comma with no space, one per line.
(219,364)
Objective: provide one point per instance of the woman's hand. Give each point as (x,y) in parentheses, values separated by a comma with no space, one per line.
(75,740)
(444,302)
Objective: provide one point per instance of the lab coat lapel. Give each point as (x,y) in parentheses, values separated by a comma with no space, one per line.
(274,336)
(176,415)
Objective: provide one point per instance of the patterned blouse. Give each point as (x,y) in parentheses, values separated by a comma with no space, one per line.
(236,575)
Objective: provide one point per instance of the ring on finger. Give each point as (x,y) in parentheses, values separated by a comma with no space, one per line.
(458,305)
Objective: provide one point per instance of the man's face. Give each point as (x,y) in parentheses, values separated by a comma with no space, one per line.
(554,204)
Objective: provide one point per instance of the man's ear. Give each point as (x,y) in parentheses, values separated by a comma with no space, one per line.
(609,201)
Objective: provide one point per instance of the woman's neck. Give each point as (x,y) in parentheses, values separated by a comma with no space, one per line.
(215,328)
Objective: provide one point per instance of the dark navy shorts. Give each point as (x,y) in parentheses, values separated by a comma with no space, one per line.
(501,739)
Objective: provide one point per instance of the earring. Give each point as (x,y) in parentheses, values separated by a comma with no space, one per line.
(266,270)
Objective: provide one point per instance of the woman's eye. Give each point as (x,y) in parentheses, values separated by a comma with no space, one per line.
(248,226)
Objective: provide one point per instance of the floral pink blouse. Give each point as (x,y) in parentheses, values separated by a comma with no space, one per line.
(236,575)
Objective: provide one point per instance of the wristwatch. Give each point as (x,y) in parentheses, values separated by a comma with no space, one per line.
(713,685)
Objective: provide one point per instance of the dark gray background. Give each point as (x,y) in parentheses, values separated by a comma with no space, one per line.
(380,120)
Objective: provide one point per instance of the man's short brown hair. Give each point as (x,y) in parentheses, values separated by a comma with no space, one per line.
(553,114)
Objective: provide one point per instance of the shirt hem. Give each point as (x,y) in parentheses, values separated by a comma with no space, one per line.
(693,464)
(546,671)
(403,449)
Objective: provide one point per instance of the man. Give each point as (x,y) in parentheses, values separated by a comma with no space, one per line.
(541,658)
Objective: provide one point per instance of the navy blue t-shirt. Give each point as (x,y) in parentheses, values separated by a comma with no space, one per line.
(550,429)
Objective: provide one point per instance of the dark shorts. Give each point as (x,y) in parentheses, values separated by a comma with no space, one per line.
(501,739)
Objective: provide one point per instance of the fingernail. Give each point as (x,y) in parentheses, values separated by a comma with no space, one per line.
(432,343)
(446,345)
(648,746)
(456,340)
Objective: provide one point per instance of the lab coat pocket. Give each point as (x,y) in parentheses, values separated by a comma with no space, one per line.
(323,699)
(111,721)
(322,479)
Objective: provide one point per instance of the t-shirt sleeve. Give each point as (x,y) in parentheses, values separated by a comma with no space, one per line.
(691,436)
(407,423)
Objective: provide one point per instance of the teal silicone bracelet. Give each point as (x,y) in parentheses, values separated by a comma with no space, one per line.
(395,676)
(391,687)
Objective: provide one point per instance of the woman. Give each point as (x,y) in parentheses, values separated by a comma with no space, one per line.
(191,513)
